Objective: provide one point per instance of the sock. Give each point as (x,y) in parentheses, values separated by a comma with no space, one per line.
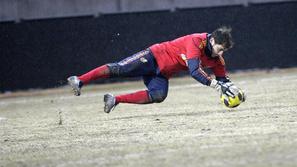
(99,72)
(140,97)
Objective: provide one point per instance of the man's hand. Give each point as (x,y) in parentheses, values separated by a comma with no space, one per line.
(224,88)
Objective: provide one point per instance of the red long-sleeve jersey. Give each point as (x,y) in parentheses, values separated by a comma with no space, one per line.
(172,56)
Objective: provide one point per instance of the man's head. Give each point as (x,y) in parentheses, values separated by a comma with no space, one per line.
(221,41)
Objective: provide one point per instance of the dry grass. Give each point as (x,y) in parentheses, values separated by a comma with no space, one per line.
(191,128)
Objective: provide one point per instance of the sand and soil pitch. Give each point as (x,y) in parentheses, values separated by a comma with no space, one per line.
(190,128)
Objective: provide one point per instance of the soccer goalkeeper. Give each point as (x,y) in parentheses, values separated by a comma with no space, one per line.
(159,62)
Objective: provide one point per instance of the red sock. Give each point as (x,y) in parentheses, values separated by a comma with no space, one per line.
(99,72)
(140,97)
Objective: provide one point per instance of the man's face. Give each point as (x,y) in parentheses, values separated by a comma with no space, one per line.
(217,49)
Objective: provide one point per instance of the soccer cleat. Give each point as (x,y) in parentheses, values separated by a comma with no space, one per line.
(109,102)
(76,84)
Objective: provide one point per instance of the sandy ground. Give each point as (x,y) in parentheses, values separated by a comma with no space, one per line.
(191,128)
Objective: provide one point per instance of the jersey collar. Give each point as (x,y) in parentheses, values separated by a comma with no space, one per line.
(208,48)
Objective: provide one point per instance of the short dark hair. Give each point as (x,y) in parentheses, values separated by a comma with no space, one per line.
(223,37)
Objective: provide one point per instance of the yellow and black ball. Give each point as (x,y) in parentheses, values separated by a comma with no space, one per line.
(232,102)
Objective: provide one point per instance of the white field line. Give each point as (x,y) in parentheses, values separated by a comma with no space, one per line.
(23,100)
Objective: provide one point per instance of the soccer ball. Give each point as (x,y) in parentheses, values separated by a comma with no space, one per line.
(232,102)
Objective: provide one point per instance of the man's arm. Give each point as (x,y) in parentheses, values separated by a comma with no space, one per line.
(198,74)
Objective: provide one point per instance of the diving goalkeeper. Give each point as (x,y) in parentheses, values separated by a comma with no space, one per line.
(159,62)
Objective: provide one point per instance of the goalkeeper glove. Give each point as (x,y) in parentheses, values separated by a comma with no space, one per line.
(222,87)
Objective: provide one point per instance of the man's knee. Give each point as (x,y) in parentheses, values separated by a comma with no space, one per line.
(158,96)
(114,69)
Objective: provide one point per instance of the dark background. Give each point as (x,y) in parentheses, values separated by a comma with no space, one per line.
(43,53)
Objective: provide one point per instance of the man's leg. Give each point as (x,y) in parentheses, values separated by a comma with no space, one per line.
(76,82)
(97,73)
(139,64)
(157,87)
(139,97)
(157,92)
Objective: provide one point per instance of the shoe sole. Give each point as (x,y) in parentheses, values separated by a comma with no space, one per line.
(105,100)
(76,92)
